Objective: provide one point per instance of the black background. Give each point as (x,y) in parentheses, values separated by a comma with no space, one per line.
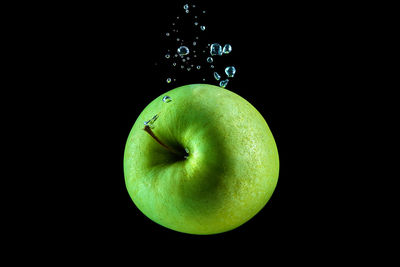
(94,70)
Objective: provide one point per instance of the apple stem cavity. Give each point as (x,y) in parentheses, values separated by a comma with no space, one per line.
(150,132)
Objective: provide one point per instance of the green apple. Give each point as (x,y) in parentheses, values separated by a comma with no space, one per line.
(208,163)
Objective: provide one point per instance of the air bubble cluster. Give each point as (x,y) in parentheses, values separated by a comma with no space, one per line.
(205,57)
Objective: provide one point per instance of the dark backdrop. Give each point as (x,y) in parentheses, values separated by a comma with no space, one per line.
(101,64)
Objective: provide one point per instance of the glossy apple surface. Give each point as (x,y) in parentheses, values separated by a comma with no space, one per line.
(228,175)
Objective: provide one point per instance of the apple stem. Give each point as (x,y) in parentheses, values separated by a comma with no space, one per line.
(150,132)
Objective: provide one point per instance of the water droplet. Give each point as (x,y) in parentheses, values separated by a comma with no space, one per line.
(167,56)
(204,79)
(193,6)
(176,55)
(195,17)
(189,69)
(216,49)
(166,99)
(168,80)
(174,64)
(182,67)
(194,56)
(188,58)
(178,39)
(230,71)
(183,50)
(204,12)
(167,34)
(217,76)
(202,28)
(183,60)
(196,23)
(223,83)
(177,17)
(186,6)
(210,60)
(212,66)
(197,37)
(198,67)
(150,123)
(227,49)
(187,10)
(194,43)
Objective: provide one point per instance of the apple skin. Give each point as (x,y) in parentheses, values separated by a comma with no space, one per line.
(230,173)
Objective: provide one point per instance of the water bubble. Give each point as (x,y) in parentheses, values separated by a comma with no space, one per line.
(230,71)
(193,6)
(178,39)
(223,83)
(183,50)
(216,49)
(204,79)
(150,123)
(186,6)
(176,55)
(182,67)
(217,76)
(194,43)
(189,69)
(174,64)
(198,67)
(212,66)
(194,56)
(188,58)
(169,80)
(167,55)
(196,23)
(195,17)
(197,37)
(167,34)
(227,49)
(210,60)
(187,10)
(166,99)
(183,60)
(204,12)
(202,28)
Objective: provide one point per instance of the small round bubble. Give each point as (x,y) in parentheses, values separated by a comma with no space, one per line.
(166,99)
(230,71)
(215,49)
(183,50)
(223,83)
(227,49)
